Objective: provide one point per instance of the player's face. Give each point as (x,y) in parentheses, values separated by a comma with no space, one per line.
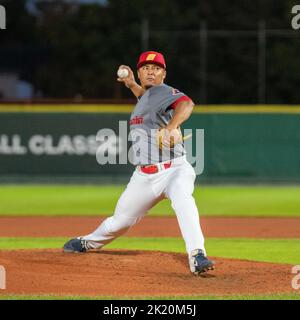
(151,75)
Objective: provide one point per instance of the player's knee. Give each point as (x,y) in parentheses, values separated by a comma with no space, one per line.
(119,225)
(182,202)
(124,208)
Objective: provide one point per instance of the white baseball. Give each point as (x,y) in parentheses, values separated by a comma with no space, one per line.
(123,73)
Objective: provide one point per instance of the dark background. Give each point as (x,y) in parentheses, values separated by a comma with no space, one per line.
(218,52)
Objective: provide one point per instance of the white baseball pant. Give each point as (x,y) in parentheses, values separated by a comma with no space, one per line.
(142,193)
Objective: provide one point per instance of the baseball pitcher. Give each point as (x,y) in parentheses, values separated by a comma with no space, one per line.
(162,170)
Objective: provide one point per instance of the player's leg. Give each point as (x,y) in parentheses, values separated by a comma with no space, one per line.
(133,204)
(180,191)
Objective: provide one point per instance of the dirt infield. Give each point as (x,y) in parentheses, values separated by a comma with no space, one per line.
(135,273)
(151,227)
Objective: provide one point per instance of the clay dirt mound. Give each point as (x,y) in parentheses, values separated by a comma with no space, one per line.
(135,273)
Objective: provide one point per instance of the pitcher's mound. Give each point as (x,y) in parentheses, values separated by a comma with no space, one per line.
(135,273)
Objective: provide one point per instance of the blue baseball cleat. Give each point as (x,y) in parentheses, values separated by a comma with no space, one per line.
(199,263)
(75,245)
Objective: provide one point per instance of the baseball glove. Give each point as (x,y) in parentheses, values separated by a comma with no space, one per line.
(168,138)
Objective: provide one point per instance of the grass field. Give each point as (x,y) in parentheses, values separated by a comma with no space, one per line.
(203,297)
(101,200)
(265,250)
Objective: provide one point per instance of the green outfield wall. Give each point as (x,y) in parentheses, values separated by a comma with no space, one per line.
(241,143)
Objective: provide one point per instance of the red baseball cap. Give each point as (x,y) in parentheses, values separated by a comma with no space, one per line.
(152,57)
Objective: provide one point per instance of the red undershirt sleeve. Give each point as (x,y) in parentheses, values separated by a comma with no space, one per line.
(182,98)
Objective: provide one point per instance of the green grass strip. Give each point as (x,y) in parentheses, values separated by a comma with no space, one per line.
(266,250)
(295,296)
(101,200)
